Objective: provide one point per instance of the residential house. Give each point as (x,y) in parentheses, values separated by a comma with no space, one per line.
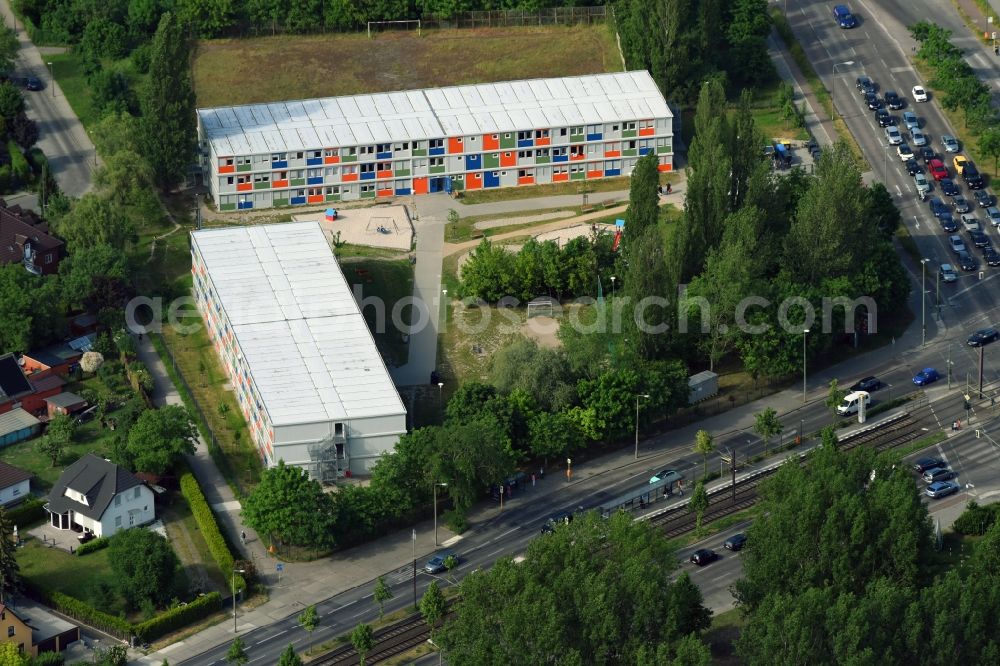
(15,630)
(14,386)
(25,240)
(15,484)
(58,359)
(95,495)
(35,630)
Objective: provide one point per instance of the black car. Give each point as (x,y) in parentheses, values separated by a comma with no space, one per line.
(925,464)
(966,262)
(960,205)
(872,100)
(32,83)
(979,238)
(938,207)
(991,256)
(983,198)
(554,521)
(913,167)
(948,223)
(703,556)
(949,187)
(883,118)
(892,100)
(972,177)
(984,336)
(927,153)
(865,85)
(735,542)
(867,384)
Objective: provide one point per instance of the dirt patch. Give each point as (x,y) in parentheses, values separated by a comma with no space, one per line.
(378,226)
(543,330)
(512,221)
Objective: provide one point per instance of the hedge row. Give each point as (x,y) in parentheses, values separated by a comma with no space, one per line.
(92,545)
(178,617)
(83,612)
(28,512)
(209,527)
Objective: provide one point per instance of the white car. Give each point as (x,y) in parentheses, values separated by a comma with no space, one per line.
(893,136)
(904,152)
(919,94)
(970,222)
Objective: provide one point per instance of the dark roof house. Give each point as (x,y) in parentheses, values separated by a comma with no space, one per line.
(13,384)
(25,239)
(99,495)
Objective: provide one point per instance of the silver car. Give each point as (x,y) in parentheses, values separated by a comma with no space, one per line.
(920,180)
(950,143)
(919,138)
(893,136)
(970,222)
(956,243)
(993,215)
(910,120)
(948,273)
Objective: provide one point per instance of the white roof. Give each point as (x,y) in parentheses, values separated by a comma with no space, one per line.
(432,113)
(309,351)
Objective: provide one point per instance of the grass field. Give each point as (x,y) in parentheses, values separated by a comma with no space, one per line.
(389,281)
(56,570)
(243,71)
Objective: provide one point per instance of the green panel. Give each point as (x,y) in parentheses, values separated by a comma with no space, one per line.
(333,197)
(629,134)
(662,149)
(242,167)
(368,195)
(349,158)
(296,181)
(402,172)
(420,152)
(266,185)
(281,202)
(227,207)
(577,138)
(542,160)
(577,176)
(630,152)
(491,161)
(508,143)
(438,169)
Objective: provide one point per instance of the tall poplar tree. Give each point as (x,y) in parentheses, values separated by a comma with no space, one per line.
(10,572)
(168,118)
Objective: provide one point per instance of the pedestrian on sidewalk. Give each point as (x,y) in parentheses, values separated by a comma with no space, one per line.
(243,537)
(670,188)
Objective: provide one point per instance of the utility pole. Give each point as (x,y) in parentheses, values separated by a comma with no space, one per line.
(732,467)
(980,372)
(949,366)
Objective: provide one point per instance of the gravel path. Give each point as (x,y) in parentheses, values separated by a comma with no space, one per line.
(511,221)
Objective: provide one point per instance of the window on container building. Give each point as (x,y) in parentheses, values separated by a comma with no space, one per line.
(298,173)
(367,188)
(645,124)
(402,146)
(315,191)
(630,144)
(630,126)
(261,177)
(437,143)
(576,130)
(542,152)
(299,193)
(314,173)
(278,157)
(521,154)
(242,179)
(383,166)
(367,150)
(367,168)
(329,152)
(383,148)
(316,153)
(334,189)
(351,151)
(261,159)
(241,160)
(437,161)
(541,134)
(614,127)
(558,152)
(229,180)
(299,155)
(227,162)
(562,131)
(593,129)
(523,135)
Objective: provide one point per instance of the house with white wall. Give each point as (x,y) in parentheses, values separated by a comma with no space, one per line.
(15,484)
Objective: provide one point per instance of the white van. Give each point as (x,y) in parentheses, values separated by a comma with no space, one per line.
(852,402)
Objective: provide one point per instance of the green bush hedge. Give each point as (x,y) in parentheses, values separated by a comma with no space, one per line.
(85,613)
(976,519)
(178,617)
(92,545)
(28,512)
(209,527)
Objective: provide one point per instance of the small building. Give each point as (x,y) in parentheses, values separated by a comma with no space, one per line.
(35,630)
(94,495)
(42,389)
(702,386)
(15,630)
(14,386)
(16,426)
(15,484)
(57,359)
(25,240)
(65,403)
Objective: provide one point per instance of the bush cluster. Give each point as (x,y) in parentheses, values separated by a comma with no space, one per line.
(178,616)
(94,545)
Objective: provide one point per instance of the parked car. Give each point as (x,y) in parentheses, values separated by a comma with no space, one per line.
(919,94)
(893,100)
(947,273)
(956,243)
(924,464)
(910,120)
(972,177)
(919,138)
(942,489)
(993,215)
(735,542)
(436,563)
(704,556)
(979,238)
(937,474)
(949,187)
(926,376)
(33,83)
(845,19)
(893,136)
(960,205)
(983,337)
(948,223)
(864,85)
(991,256)
(883,118)
(950,143)
(904,152)
(937,169)
(920,182)
(866,384)
(983,198)
(966,262)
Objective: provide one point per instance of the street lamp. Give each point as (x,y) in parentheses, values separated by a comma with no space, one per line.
(445,304)
(805,332)
(413,545)
(441,398)
(640,395)
(613,287)
(923,301)
(235,571)
(442,485)
(52,80)
(847,63)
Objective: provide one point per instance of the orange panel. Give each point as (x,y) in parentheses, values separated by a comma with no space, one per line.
(474,181)
(455,145)
(384,174)
(559,177)
(227,169)
(576,158)
(508,159)
(279,183)
(244,187)
(491,142)
(526,180)
(315,198)
(333,159)
(543,141)
(349,177)
(420,185)
(595,174)
(384,193)
(612,153)
(664,167)
(648,131)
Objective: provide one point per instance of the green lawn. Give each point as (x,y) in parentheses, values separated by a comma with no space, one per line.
(56,570)
(390,281)
(594,188)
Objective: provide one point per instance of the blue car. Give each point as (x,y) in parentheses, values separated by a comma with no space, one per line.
(926,376)
(845,19)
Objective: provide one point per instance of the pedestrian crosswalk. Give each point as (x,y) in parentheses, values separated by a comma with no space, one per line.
(401,575)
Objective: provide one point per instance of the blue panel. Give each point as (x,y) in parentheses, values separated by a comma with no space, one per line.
(644,151)
(525,143)
(295,201)
(384,156)
(281,164)
(314,161)
(402,191)
(436,151)
(473,162)
(370,175)
(560,158)
(612,172)
(244,205)
(314,181)
(594,137)
(491,179)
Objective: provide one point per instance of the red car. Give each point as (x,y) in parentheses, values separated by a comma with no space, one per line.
(937,169)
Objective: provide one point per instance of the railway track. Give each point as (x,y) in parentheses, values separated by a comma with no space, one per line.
(411,631)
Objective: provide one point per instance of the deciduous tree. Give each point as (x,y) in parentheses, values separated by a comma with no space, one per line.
(704,444)
(698,503)
(382,594)
(289,658)
(834,397)
(237,654)
(309,618)
(767,425)
(144,566)
(57,437)
(289,506)
(10,571)
(363,640)
(433,606)
(160,437)
(96,220)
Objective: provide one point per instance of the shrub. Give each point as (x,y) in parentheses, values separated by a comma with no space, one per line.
(91,546)
(455,520)
(209,527)
(28,512)
(976,519)
(179,616)
(86,613)
(19,167)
